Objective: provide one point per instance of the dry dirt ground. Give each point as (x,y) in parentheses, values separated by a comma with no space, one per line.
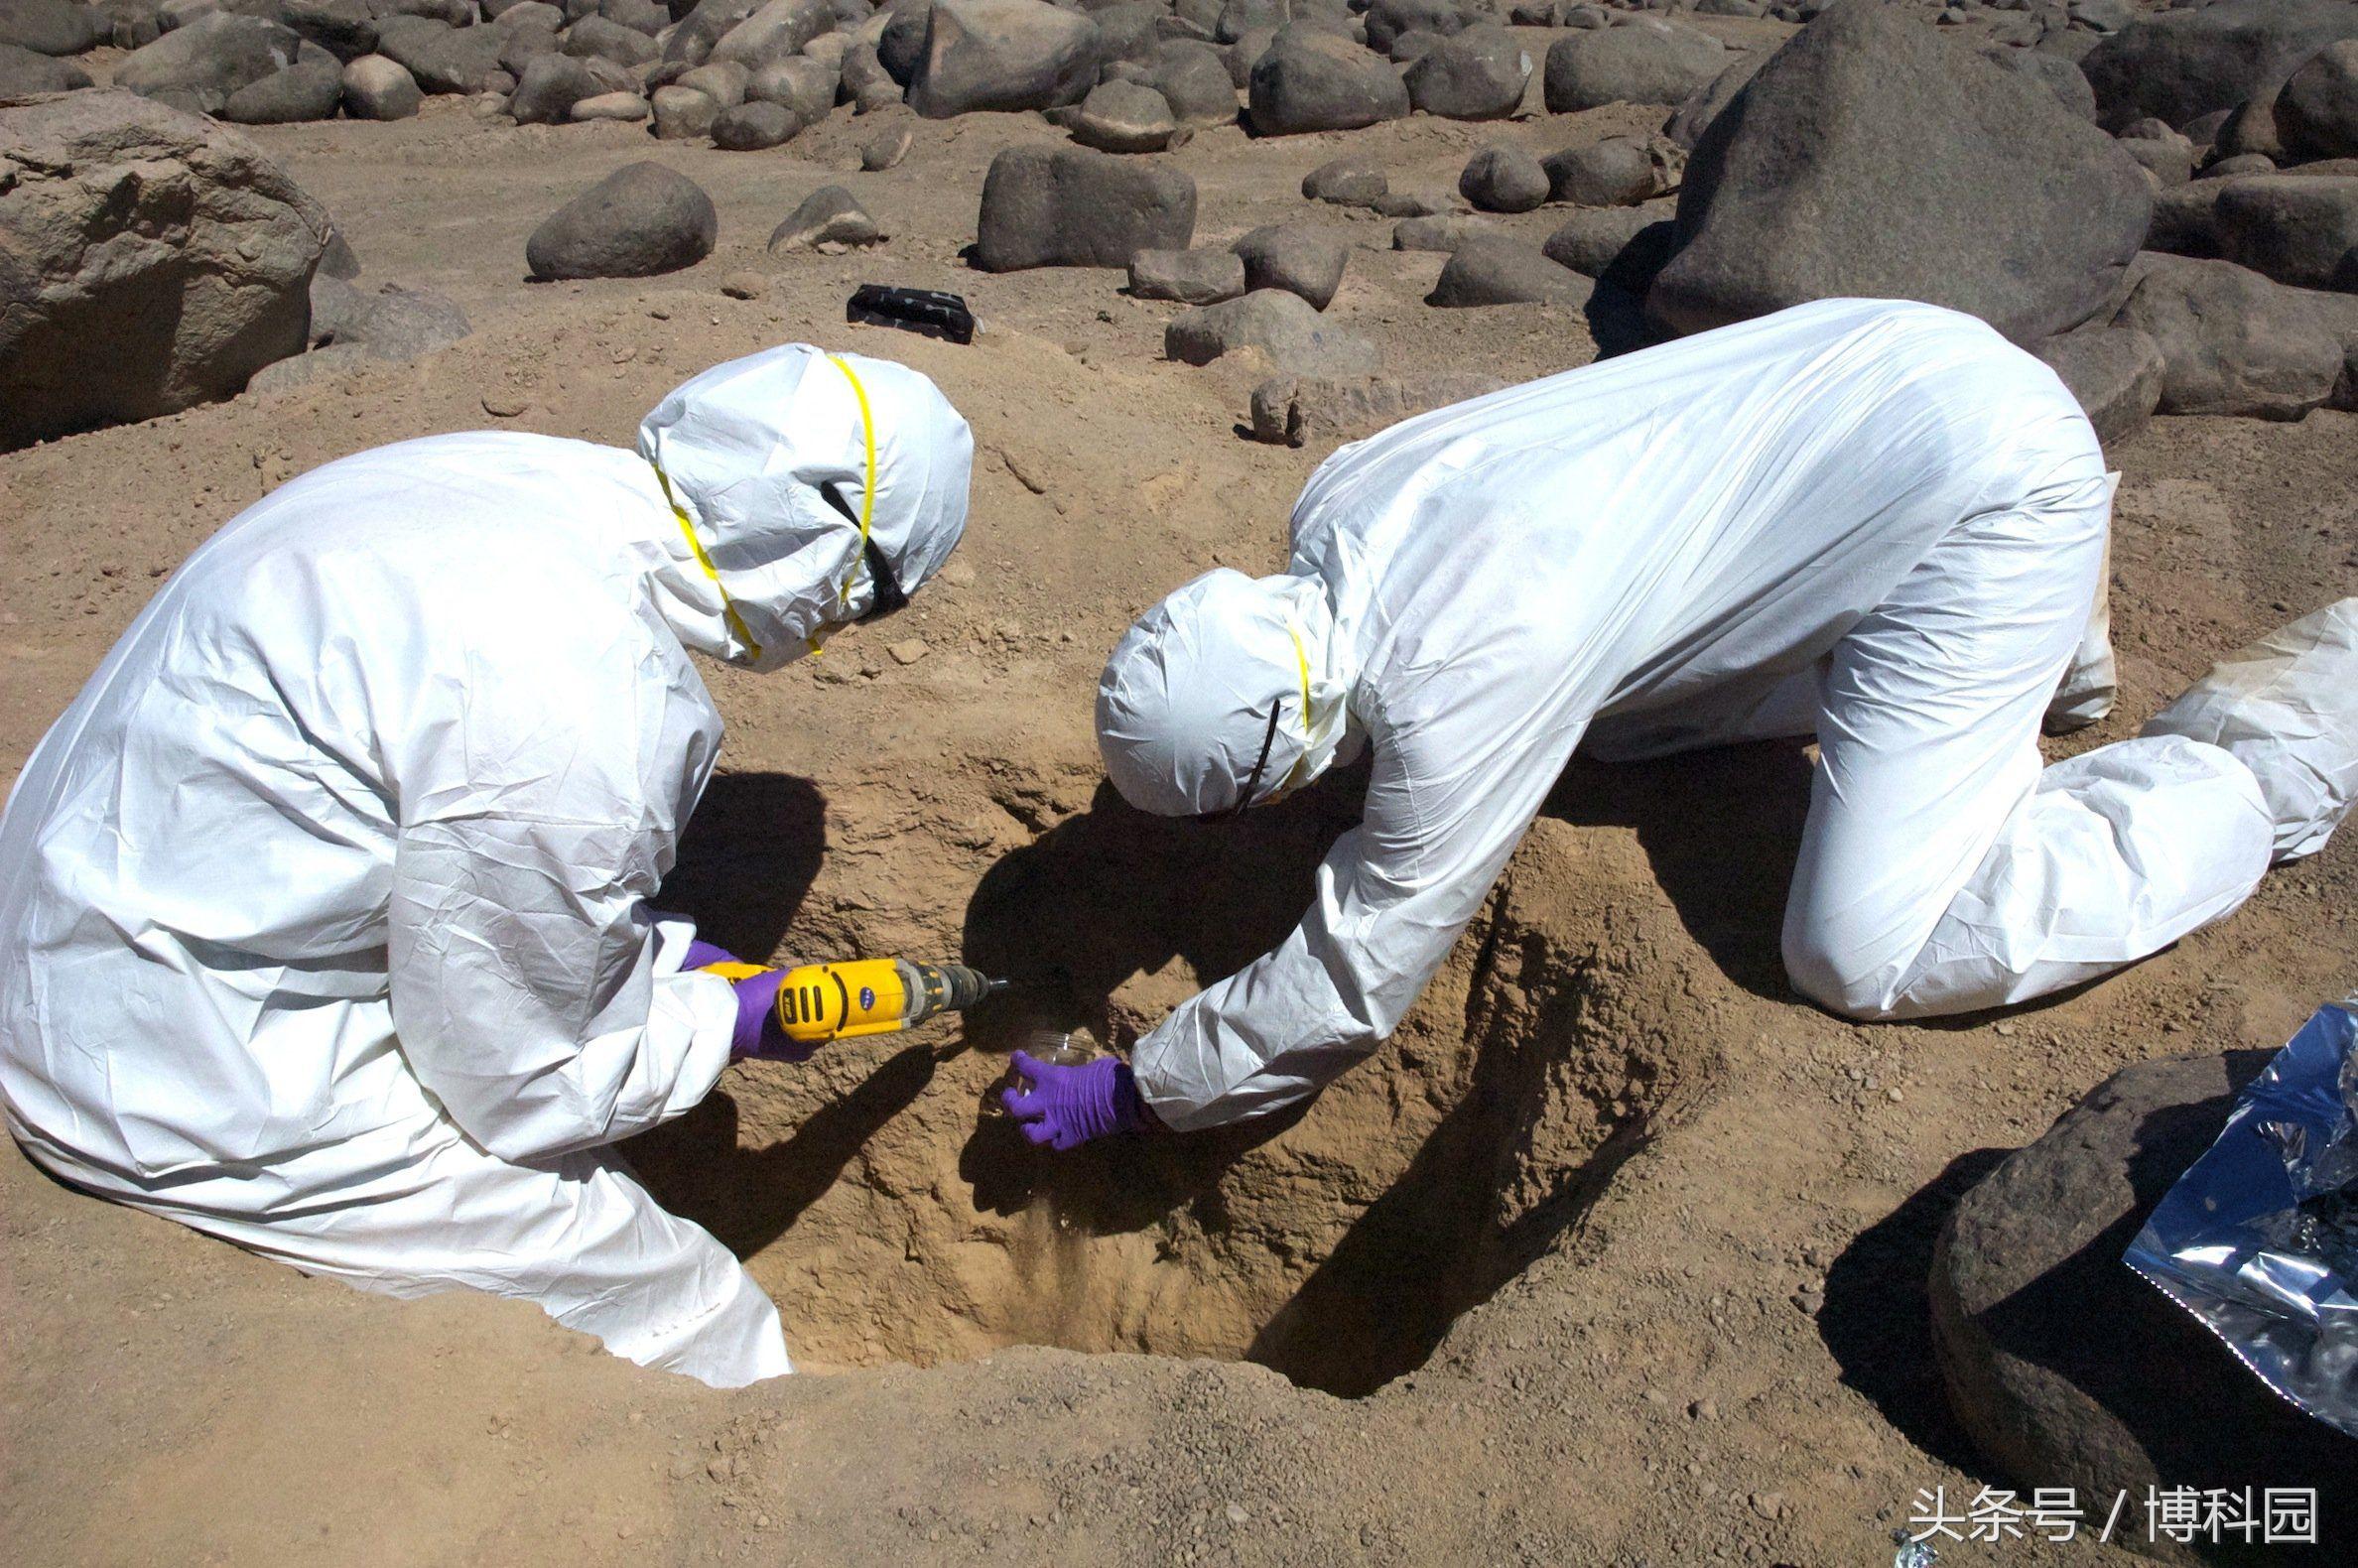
(1614,1255)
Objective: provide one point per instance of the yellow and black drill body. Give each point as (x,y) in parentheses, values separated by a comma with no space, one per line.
(819,1003)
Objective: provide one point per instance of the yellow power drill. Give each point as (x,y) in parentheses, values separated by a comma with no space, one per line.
(819,1003)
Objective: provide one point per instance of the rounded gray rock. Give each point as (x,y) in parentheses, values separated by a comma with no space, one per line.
(1639,61)
(1314,80)
(639,220)
(1281,327)
(1479,74)
(755,127)
(1504,179)
(1300,258)
(1498,270)
(1071,207)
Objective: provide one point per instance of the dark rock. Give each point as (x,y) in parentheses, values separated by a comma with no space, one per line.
(639,220)
(723,81)
(1191,277)
(1388,20)
(150,260)
(701,31)
(1300,258)
(2116,372)
(2185,219)
(1620,171)
(443,59)
(773,31)
(523,44)
(1282,327)
(1927,176)
(1703,105)
(829,216)
(2296,229)
(1314,80)
(2171,160)
(2231,340)
(2031,1258)
(886,148)
(397,323)
(1123,117)
(800,84)
(1598,243)
(1440,232)
(1639,61)
(2317,110)
(378,88)
(755,127)
(346,29)
(1002,54)
(682,113)
(1069,207)
(902,43)
(1494,270)
(24,73)
(52,27)
(2176,65)
(549,88)
(208,59)
(1501,179)
(1193,80)
(2241,166)
(596,38)
(1296,410)
(1354,180)
(308,89)
(1478,74)
(2061,78)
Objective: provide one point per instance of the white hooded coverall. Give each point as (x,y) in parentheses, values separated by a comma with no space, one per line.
(1874,521)
(323,909)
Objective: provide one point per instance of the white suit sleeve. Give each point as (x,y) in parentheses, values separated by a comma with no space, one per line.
(1447,805)
(537,816)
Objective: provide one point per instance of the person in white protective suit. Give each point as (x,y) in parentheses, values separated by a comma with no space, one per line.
(323,909)
(1873,522)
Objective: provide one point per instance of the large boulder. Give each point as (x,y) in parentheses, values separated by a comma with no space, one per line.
(1503,179)
(1479,74)
(54,27)
(1699,108)
(445,59)
(1002,54)
(1191,277)
(2302,231)
(2316,113)
(346,29)
(1389,20)
(2177,65)
(308,89)
(1194,81)
(1872,158)
(1642,60)
(2114,373)
(1284,328)
(24,73)
(1069,207)
(2031,1258)
(198,65)
(1311,80)
(1495,269)
(777,30)
(2232,342)
(1300,258)
(1620,171)
(700,30)
(802,84)
(1123,117)
(639,220)
(2061,77)
(150,260)
(549,88)
(378,88)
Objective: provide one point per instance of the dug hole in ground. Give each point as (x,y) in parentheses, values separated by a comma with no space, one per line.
(1615,1253)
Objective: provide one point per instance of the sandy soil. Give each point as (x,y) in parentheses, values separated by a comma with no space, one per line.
(1614,1255)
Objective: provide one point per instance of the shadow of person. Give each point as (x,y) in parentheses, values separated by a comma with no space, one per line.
(748,859)
(1098,899)
(1721,828)
(749,1197)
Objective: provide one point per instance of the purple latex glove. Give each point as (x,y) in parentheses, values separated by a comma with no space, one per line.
(758,1033)
(1065,1107)
(704,955)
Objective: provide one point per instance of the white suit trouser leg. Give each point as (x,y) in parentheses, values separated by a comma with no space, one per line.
(578,1236)
(1942,869)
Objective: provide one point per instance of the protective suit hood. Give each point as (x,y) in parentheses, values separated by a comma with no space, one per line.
(1183,706)
(761,568)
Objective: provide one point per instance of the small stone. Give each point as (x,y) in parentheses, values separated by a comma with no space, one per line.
(908,651)
(1704,1410)
(1768,1504)
(1349,181)
(744,284)
(828,215)
(885,149)
(1236,1514)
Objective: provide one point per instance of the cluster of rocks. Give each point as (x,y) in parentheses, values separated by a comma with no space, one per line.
(2164,205)
(646,218)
